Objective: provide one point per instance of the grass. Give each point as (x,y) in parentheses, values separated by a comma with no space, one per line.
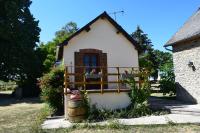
(6,92)
(26,116)
(19,117)
(117,128)
(161,96)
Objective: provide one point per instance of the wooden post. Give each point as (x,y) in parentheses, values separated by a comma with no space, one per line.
(140,85)
(66,77)
(65,92)
(139,72)
(65,104)
(102,82)
(132,69)
(84,79)
(118,80)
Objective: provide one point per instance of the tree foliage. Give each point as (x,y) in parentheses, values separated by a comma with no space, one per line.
(65,32)
(19,33)
(153,60)
(143,40)
(164,60)
(52,89)
(147,57)
(48,50)
(165,64)
(167,83)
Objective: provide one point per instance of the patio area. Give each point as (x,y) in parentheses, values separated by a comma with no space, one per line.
(180,113)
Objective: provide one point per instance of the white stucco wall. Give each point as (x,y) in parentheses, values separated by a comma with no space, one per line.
(109,100)
(103,36)
(120,53)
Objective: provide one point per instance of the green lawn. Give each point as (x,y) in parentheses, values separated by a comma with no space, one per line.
(182,128)
(20,116)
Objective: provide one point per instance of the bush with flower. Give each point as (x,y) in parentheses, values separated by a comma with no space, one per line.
(51,85)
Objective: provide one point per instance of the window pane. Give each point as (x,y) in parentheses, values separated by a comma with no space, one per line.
(94,61)
(86,60)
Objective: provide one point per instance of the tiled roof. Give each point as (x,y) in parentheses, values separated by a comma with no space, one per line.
(189,30)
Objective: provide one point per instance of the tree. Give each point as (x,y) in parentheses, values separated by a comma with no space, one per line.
(48,51)
(143,40)
(167,82)
(147,57)
(153,60)
(65,32)
(164,60)
(19,33)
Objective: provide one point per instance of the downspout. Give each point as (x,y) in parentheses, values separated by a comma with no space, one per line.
(168,49)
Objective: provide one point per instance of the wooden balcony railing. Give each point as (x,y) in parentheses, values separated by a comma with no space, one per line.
(119,71)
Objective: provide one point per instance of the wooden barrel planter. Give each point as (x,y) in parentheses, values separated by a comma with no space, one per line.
(76,110)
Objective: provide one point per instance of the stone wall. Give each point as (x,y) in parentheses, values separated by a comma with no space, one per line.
(187,77)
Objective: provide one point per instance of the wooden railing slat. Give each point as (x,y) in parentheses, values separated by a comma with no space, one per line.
(118,80)
(99,67)
(84,80)
(65,78)
(102,82)
(134,70)
(106,74)
(95,82)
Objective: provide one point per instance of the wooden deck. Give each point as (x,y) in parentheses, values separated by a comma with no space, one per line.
(133,71)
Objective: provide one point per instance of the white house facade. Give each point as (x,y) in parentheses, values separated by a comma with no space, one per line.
(102,42)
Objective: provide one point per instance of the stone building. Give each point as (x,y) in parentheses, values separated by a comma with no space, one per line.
(186,58)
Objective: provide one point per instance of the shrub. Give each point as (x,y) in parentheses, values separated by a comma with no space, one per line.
(137,108)
(139,94)
(130,112)
(7,86)
(51,85)
(167,83)
(85,102)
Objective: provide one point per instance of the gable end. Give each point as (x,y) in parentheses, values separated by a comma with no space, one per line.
(104,15)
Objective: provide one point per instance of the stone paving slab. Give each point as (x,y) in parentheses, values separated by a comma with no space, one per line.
(180,118)
(56,123)
(148,120)
(144,120)
(164,119)
(174,106)
(180,113)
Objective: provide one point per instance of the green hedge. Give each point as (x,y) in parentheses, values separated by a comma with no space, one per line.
(167,83)
(51,85)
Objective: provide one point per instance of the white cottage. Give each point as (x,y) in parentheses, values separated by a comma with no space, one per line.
(105,48)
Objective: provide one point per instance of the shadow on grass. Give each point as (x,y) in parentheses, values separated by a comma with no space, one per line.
(7,99)
(164,101)
(165,97)
(171,104)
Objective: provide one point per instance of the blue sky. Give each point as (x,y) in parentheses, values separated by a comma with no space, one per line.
(160,19)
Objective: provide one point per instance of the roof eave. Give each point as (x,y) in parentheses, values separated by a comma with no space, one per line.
(104,14)
(65,42)
(183,40)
